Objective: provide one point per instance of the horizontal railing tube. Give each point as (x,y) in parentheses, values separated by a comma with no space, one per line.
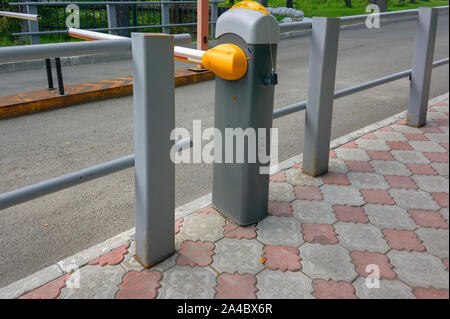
(65,181)
(54,50)
(52,185)
(296,26)
(285,110)
(282,111)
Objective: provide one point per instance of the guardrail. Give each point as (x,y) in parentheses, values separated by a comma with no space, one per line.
(156,16)
(153,99)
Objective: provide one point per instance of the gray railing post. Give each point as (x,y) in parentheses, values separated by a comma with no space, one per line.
(422,65)
(165,18)
(112,17)
(214,16)
(154,119)
(322,73)
(33,26)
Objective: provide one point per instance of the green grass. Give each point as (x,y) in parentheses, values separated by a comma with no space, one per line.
(324,8)
(337,8)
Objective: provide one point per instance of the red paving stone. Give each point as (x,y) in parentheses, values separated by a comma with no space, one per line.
(432,129)
(399,145)
(403,240)
(445,145)
(351,144)
(299,165)
(50,290)
(333,154)
(401,122)
(236,286)
(446,263)
(421,169)
(336,179)
(277,208)
(385,129)
(441,122)
(441,199)
(369,136)
(381,155)
(308,192)
(431,293)
(278,177)
(178,225)
(359,166)
(112,258)
(437,157)
(333,289)
(415,137)
(282,258)
(350,214)
(428,218)
(361,259)
(377,196)
(139,285)
(401,182)
(195,253)
(232,230)
(206,211)
(319,233)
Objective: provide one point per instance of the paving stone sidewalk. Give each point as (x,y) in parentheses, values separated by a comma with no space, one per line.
(381,209)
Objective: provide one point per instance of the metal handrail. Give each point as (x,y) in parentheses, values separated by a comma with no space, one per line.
(53,50)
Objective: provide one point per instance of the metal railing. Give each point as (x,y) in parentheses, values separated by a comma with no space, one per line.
(153,100)
(145,16)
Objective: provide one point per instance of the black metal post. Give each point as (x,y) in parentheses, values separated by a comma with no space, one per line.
(59,76)
(48,66)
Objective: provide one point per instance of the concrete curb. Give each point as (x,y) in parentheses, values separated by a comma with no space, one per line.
(37,279)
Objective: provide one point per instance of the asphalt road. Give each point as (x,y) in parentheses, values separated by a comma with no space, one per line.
(40,146)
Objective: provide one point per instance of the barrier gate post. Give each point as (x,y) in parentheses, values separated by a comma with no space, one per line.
(240,191)
(154,119)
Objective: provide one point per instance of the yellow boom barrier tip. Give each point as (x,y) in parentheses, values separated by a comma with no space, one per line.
(251,5)
(226,60)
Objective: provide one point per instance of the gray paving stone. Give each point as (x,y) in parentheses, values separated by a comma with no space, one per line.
(427,146)
(386,216)
(284,231)
(362,180)
(433,184)
(188,283)
(412,199)
(372,145)
(93,282)
(437,138)
(206,227)
(410,156)
(287,285)
(361,237)
(352,154)
(234,255)
(436,115)
(435,240)
(313,212)
(441,168)
(419,269)
(391,136)
(337,165)
(343,195)
(296,177)
(388,289)
(281,191)
(406,129)
(327,262)
(390,168)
